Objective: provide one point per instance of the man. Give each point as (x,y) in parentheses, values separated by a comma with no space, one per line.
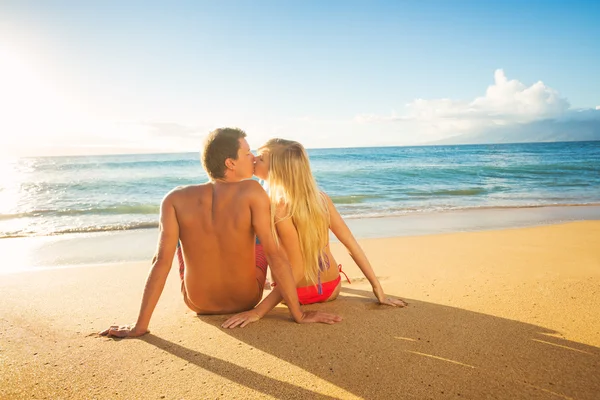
(215,224)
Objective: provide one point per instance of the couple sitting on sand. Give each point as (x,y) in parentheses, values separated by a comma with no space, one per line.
(226,231)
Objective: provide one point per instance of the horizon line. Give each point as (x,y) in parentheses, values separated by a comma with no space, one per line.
(307,148)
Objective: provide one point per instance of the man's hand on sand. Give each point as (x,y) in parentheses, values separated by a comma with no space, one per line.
(388,301)
(123,331)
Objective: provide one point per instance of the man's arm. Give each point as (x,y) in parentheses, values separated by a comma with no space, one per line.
(161,264)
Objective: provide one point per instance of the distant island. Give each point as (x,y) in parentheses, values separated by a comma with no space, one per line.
(576,126)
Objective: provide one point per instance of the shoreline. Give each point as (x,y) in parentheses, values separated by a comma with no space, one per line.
(108,247)
(142,226)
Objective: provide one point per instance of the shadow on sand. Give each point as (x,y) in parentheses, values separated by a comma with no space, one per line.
(423,351)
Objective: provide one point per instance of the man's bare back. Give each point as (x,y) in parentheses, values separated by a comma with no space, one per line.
(217,240)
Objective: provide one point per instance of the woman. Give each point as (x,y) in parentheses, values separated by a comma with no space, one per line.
(301,217)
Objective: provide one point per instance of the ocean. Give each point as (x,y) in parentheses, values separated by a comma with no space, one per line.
(58,195)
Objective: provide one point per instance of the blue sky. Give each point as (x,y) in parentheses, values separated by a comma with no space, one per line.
(149,76)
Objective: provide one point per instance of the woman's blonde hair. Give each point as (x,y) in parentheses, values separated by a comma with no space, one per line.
(292,184)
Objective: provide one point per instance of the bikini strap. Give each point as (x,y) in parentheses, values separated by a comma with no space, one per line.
(319,285)
(342,272)
(323,265)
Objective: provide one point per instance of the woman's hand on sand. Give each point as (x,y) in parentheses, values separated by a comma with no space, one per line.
(123,331)
(319,317)
(388,301)
(241,320)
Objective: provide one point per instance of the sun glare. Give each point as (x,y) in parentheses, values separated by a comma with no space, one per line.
(34,111)
(9,185)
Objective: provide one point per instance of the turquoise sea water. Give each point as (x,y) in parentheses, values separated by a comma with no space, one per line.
(53,195)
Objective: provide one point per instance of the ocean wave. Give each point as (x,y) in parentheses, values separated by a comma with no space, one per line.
(108,228)
(13,235)
(553,170)
(145,209)
(124,162)
(449,192)
(398,212)
(83,229)
(353,199)
(112,184)
(445,171)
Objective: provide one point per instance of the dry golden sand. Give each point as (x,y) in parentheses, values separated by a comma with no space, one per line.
(500,314)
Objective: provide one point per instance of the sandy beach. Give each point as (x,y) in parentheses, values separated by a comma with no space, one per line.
(502,314)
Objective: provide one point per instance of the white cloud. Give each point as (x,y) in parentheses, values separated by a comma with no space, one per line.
(597,107)
(505,102)
(512,99)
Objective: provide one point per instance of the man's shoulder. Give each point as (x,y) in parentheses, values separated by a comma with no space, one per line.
(253,188)
(251,191)
(251,185)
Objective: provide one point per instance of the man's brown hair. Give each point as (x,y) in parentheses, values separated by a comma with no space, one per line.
(221,144)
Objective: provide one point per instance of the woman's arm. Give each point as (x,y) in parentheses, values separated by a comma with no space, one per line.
(345,236)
